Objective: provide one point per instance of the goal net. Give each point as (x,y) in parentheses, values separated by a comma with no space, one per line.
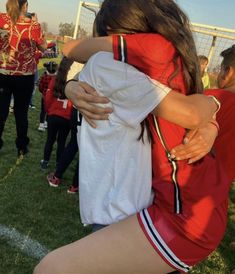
(210,40)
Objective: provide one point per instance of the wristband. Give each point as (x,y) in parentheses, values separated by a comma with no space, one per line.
(217,102)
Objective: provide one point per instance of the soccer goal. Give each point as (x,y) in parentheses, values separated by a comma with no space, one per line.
(210,40)
(85,17)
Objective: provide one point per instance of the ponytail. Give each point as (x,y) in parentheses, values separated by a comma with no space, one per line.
(13,8)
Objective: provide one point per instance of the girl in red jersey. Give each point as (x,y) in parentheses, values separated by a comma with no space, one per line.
(180,223)
(58,113)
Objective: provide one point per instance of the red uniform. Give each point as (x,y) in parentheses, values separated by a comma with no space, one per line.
(21,40)
(224,144)
(56,106)
(190,200)
(45,81)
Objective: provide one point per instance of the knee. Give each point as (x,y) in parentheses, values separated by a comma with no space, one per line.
(47,266)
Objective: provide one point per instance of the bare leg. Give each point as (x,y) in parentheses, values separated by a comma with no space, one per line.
(121,248)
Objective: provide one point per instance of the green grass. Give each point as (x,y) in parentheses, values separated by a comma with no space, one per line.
(51,216)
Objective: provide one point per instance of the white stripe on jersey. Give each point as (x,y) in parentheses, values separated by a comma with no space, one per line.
(160,243)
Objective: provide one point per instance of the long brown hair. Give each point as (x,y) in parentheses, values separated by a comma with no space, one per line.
(61,76)
(163,17)
(14,8)
(155,16)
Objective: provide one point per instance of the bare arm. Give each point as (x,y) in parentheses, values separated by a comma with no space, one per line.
(82,49)
(187,111)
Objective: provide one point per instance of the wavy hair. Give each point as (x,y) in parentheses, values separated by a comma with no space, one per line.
(61,76)
(155,16)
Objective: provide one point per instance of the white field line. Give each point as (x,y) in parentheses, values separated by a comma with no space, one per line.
(24,243)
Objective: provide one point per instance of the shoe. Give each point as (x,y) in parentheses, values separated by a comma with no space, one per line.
(44,164)
(41,127)
(32,106)
(22,151)
(45,124)
(11,109)
(52,180)
(72,190)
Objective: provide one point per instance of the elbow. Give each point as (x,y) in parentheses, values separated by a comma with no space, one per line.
(66,52)
(68,49)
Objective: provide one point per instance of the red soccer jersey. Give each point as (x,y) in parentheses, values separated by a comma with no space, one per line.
(225,144)
(21,40)
(192,191)
(44,82)
(56,106)
(151,54)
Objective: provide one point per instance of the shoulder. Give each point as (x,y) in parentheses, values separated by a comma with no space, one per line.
(152,44)
(35,25)
(101,60)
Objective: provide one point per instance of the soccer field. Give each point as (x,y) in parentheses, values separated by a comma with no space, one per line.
(35,218)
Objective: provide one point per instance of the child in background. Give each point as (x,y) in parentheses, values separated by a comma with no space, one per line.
(58,114)
(54,178)
(70,151)
(203,61)
(50,73)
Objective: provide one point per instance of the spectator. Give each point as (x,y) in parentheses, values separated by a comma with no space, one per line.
(20,38)
(203,61)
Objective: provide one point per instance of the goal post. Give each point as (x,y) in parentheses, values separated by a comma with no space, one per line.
(210,40)
(86,14)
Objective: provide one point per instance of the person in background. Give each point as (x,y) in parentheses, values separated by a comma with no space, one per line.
(203,61)
(225,93)
(20,38)
(58,114)
(70,151)
(45,79)
(38,55)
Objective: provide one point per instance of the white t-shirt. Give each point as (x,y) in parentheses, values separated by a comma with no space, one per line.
(115,171)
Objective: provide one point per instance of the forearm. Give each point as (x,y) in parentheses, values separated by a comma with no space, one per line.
(82,49)
(187,111)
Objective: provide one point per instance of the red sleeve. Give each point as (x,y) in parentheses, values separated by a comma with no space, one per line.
(37,33)
(145,51)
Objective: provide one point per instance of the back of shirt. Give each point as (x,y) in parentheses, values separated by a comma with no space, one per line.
(20,41)
(115,173)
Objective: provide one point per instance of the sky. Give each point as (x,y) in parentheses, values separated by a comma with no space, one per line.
(218,13)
